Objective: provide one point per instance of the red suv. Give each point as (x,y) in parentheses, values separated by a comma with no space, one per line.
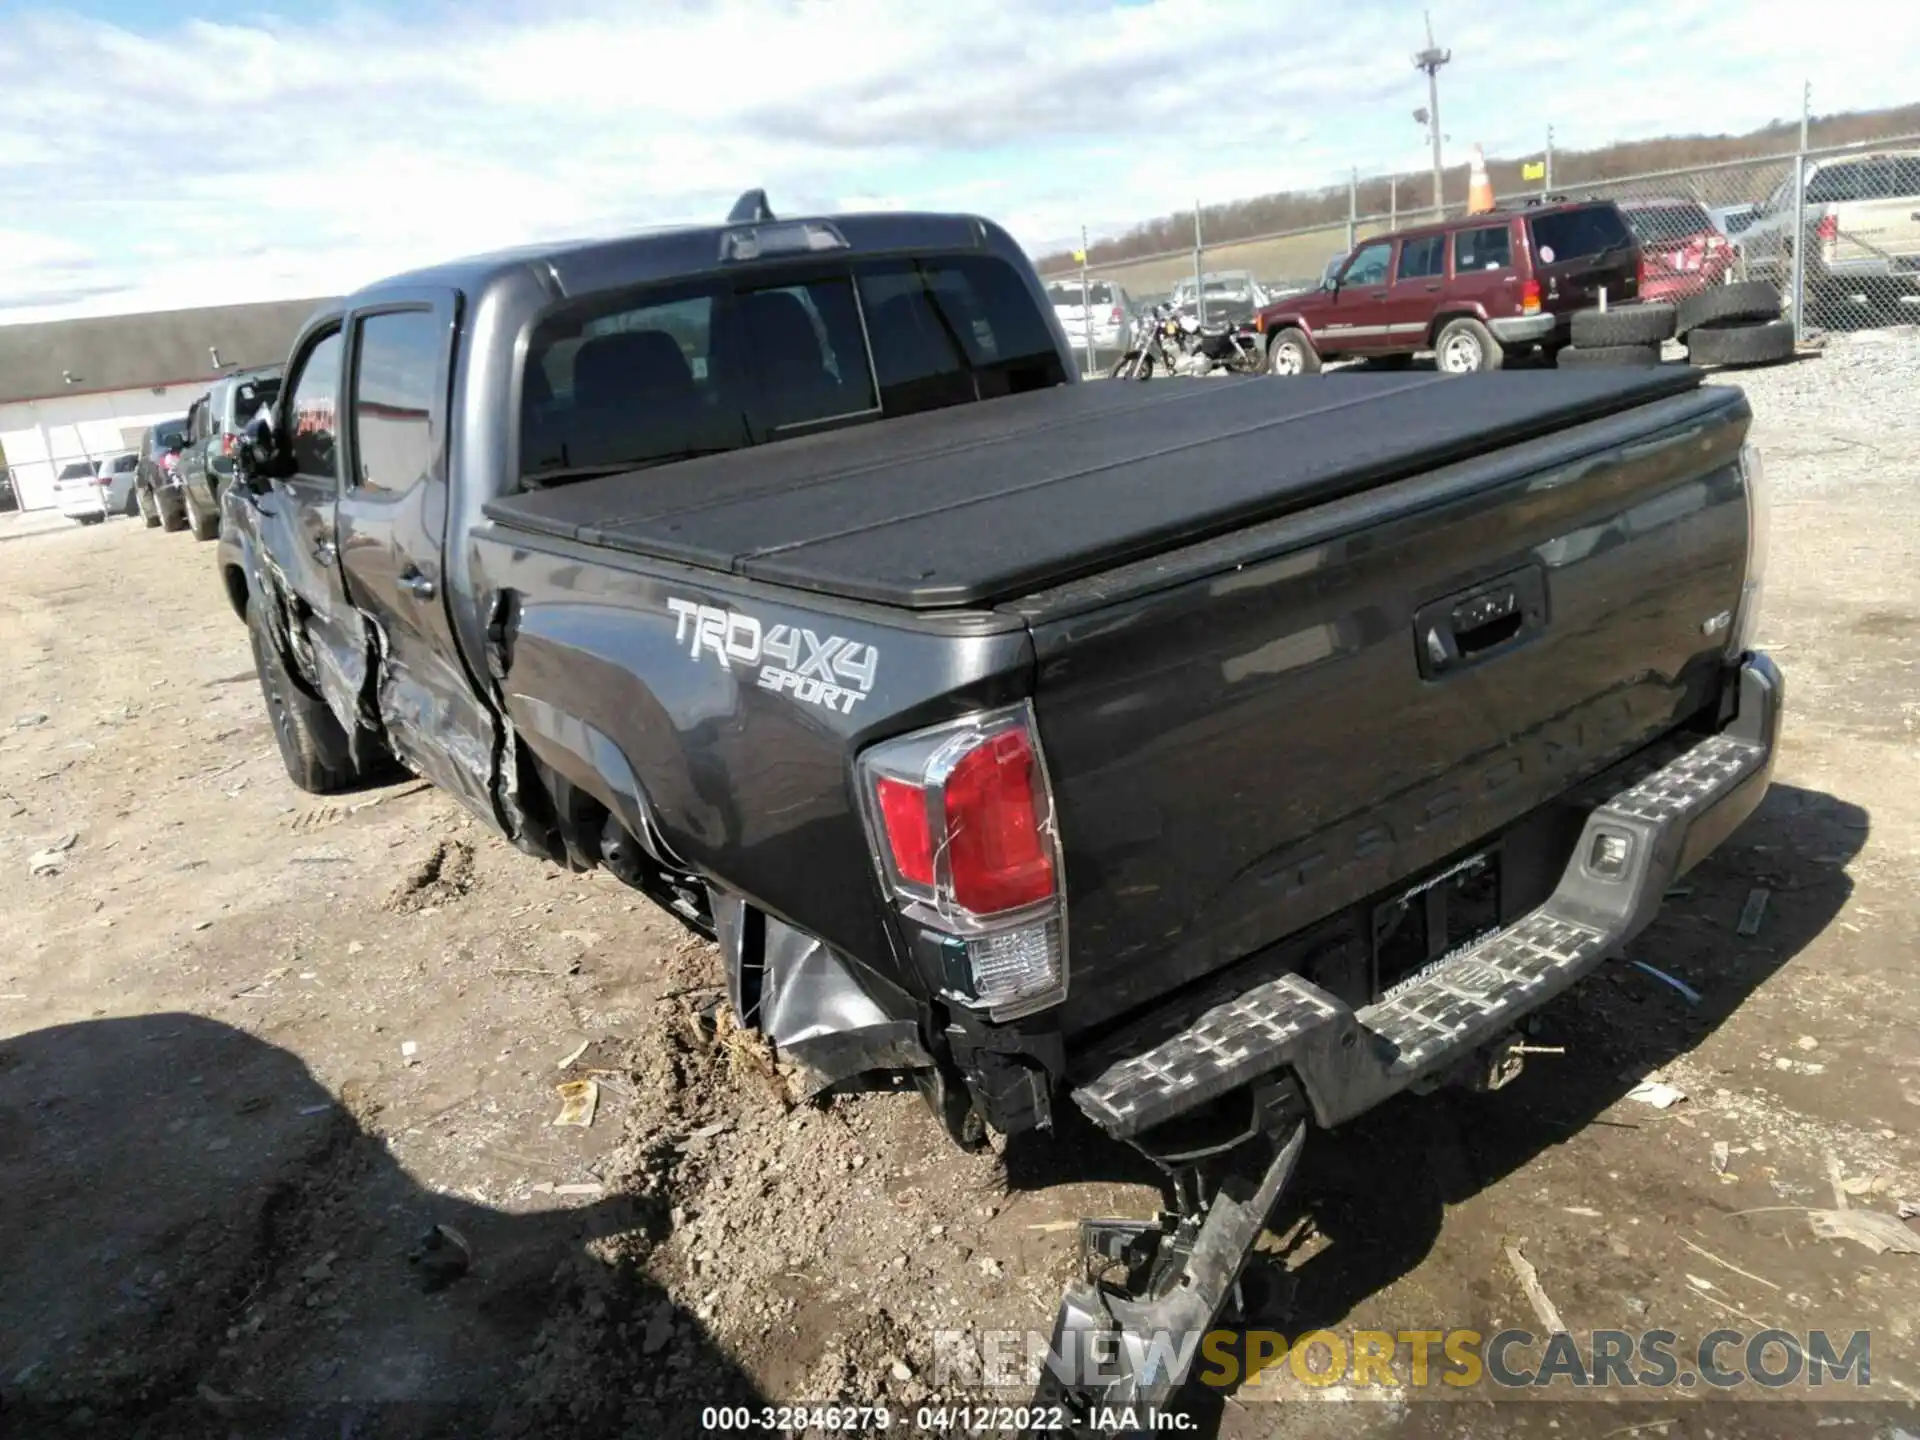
(1470,289)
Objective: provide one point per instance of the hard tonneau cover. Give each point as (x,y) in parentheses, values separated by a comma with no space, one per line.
(981,503)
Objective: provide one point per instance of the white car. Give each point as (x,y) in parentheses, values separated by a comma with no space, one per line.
(116,483)
(76,493)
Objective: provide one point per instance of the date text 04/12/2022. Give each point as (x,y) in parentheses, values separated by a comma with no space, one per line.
(941,1419)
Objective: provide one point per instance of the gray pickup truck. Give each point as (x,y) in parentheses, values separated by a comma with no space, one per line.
(1220,758)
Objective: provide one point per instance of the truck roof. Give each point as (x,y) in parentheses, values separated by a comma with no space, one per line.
(978,504)
(667,252)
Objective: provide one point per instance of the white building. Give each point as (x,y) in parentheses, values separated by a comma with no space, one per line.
(83,389)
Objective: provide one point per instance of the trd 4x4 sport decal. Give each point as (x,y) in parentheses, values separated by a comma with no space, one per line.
(834,673)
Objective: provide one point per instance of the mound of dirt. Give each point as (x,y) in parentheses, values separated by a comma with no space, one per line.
(442,875)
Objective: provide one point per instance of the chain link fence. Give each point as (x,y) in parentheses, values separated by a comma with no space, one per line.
(1835,231)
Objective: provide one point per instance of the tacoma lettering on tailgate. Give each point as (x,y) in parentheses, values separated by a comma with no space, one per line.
(835,673)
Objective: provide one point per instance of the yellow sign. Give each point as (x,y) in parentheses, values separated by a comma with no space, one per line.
(1534,170)
(1080,256)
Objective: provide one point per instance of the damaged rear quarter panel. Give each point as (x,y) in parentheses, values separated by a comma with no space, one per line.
(749,784)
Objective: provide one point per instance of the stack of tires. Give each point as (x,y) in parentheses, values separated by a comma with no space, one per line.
(1626,335)
(1735,325)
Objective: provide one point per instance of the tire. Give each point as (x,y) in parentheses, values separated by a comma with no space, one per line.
(1745,303)
(1465,347)
(1292,353)
(203,527)
(1575,357)
(1644,324)
(1120,366)
(132,507)
(150,511)
(1764,344)
(167,520)
(312,744)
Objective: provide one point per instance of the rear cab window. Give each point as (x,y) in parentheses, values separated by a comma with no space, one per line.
(630,379)
(1578,233)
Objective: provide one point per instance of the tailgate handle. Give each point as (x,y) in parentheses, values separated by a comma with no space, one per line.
(1463,629)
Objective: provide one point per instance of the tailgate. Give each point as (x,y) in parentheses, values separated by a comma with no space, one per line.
(1248,736)
(1578,251)
(1876,235)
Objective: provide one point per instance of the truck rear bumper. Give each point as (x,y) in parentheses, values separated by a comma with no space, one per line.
(1633,847)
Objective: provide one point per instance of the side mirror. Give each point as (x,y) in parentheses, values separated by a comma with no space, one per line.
(253,457)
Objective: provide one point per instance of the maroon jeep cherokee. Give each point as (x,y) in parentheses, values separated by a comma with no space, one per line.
(1470,289)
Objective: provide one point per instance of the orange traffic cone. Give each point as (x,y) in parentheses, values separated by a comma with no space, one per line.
(1479,187)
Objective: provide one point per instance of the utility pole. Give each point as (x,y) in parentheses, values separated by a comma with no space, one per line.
(1199,256)
(1430,60)
(1799,276)
(1086,300)
(1546,179)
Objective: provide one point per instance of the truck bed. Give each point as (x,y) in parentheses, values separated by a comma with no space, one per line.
(977,504)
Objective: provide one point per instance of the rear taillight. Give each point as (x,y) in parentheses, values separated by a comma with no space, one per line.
(961,820)
(1828,230)
(226,443)
(1530,297)
(1116,317)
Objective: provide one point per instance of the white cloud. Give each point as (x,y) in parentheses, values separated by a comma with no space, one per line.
(240,158)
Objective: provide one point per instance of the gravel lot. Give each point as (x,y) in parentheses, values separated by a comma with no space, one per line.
(277,1075)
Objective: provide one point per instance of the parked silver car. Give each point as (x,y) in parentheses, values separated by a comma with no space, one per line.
(1102,311)
(116,474)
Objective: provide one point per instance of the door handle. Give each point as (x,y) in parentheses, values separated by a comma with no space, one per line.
(1462,630)
(417,585)
(1433,285)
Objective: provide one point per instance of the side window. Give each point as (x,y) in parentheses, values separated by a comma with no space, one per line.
(395,369)
(1423,258)
(916,354)
(1369,265)
(310,418)
(1488,247)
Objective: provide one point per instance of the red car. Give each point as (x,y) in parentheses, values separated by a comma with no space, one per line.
(1682,250)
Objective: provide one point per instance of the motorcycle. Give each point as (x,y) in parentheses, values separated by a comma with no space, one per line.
(1176,343)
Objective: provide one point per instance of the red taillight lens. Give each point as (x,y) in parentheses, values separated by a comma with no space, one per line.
(1116,317)
(226,443)
(961,820)
(999,859)
(1828,230)
(903,813)
(1530,297)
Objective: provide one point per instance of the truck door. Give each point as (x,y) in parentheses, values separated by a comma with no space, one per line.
(297,528)
(393,516)
(1419,283)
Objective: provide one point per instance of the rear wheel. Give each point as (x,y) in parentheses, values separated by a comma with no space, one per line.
(132,507)
(204,527)
(149,508)
(1465,346)
(1123,368)
(312,745)
(1292,353)
(174,519)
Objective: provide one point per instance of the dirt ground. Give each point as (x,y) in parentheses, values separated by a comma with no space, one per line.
(277,1077)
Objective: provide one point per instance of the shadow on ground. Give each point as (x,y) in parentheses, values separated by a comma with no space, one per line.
(201,1239)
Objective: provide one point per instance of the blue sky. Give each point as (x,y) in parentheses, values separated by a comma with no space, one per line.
(156,153)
